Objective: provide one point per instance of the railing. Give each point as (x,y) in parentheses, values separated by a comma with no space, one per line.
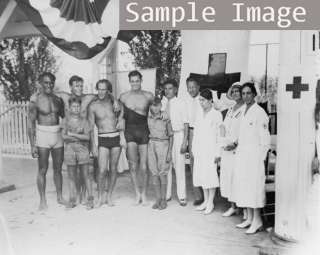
(13,128)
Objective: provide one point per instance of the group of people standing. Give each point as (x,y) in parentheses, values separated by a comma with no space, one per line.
(239,143)
(156,135)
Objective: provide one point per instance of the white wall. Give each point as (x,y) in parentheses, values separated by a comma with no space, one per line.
(198,44)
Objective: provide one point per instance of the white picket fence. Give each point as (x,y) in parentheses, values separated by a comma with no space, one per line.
(13,128)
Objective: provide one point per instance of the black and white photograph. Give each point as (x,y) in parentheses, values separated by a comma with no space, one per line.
(155,141)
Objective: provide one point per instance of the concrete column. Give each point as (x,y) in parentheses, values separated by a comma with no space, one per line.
(296,133)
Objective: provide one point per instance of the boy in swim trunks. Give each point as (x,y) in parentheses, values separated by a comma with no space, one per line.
(159,151)
(76,133)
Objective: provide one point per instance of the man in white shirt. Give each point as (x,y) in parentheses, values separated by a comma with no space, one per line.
(176,110)
(193,107)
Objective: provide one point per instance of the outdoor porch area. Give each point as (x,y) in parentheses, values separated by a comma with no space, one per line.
(115,230)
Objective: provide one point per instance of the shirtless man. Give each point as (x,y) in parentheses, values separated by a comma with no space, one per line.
(76,89)
(44,132)
(136,104)
(101,114)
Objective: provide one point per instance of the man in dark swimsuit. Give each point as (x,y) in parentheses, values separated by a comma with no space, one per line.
(136,104)
(101,113)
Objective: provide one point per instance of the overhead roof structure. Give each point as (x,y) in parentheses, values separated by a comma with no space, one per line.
(81,28)
(13,22)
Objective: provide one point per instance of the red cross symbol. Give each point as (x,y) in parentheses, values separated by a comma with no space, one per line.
(297,87)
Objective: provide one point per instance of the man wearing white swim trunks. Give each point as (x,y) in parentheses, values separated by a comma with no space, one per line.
(45,136)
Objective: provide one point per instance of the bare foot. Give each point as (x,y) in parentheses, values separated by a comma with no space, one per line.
(144,200)
(43,206)
(72,204)
(163,204)
(61,201)
(83,200)
(138,200)
(110,201)
(99,203)
(156,205)
(90,204)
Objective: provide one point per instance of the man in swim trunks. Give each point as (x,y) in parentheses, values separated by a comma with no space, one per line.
(76,89)
(44,132)
(102,115)
(136,104)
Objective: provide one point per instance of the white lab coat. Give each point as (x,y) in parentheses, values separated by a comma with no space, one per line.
(193,108)
(230,126)
(205,148)
(253,145)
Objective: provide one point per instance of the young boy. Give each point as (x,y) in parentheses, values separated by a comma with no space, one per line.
(159,151)
(76,134)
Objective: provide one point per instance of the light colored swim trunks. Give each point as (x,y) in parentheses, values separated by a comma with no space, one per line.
(49,137)
(76,153)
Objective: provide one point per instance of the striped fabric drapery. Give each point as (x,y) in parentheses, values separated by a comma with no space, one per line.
(81,28)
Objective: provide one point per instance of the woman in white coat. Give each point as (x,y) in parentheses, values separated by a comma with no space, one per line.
(249,172)
(229,135)
(206,150)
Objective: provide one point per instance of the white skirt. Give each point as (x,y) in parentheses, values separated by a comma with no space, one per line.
(249,178)
(226,173)
(205,172)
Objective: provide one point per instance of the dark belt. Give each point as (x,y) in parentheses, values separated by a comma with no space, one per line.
(159,139)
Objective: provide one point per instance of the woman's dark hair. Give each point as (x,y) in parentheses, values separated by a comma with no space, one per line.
(135,73)
(105,81)
(251,86)
(48,74)
(74,78)
(207,94)
(316,114)
(74,100)
(172,82)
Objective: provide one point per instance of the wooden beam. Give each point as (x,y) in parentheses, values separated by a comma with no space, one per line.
(6,14)
(25,28)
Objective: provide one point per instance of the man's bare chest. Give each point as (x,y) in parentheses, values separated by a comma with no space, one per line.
(104,111)
(49,105)
(137,102)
